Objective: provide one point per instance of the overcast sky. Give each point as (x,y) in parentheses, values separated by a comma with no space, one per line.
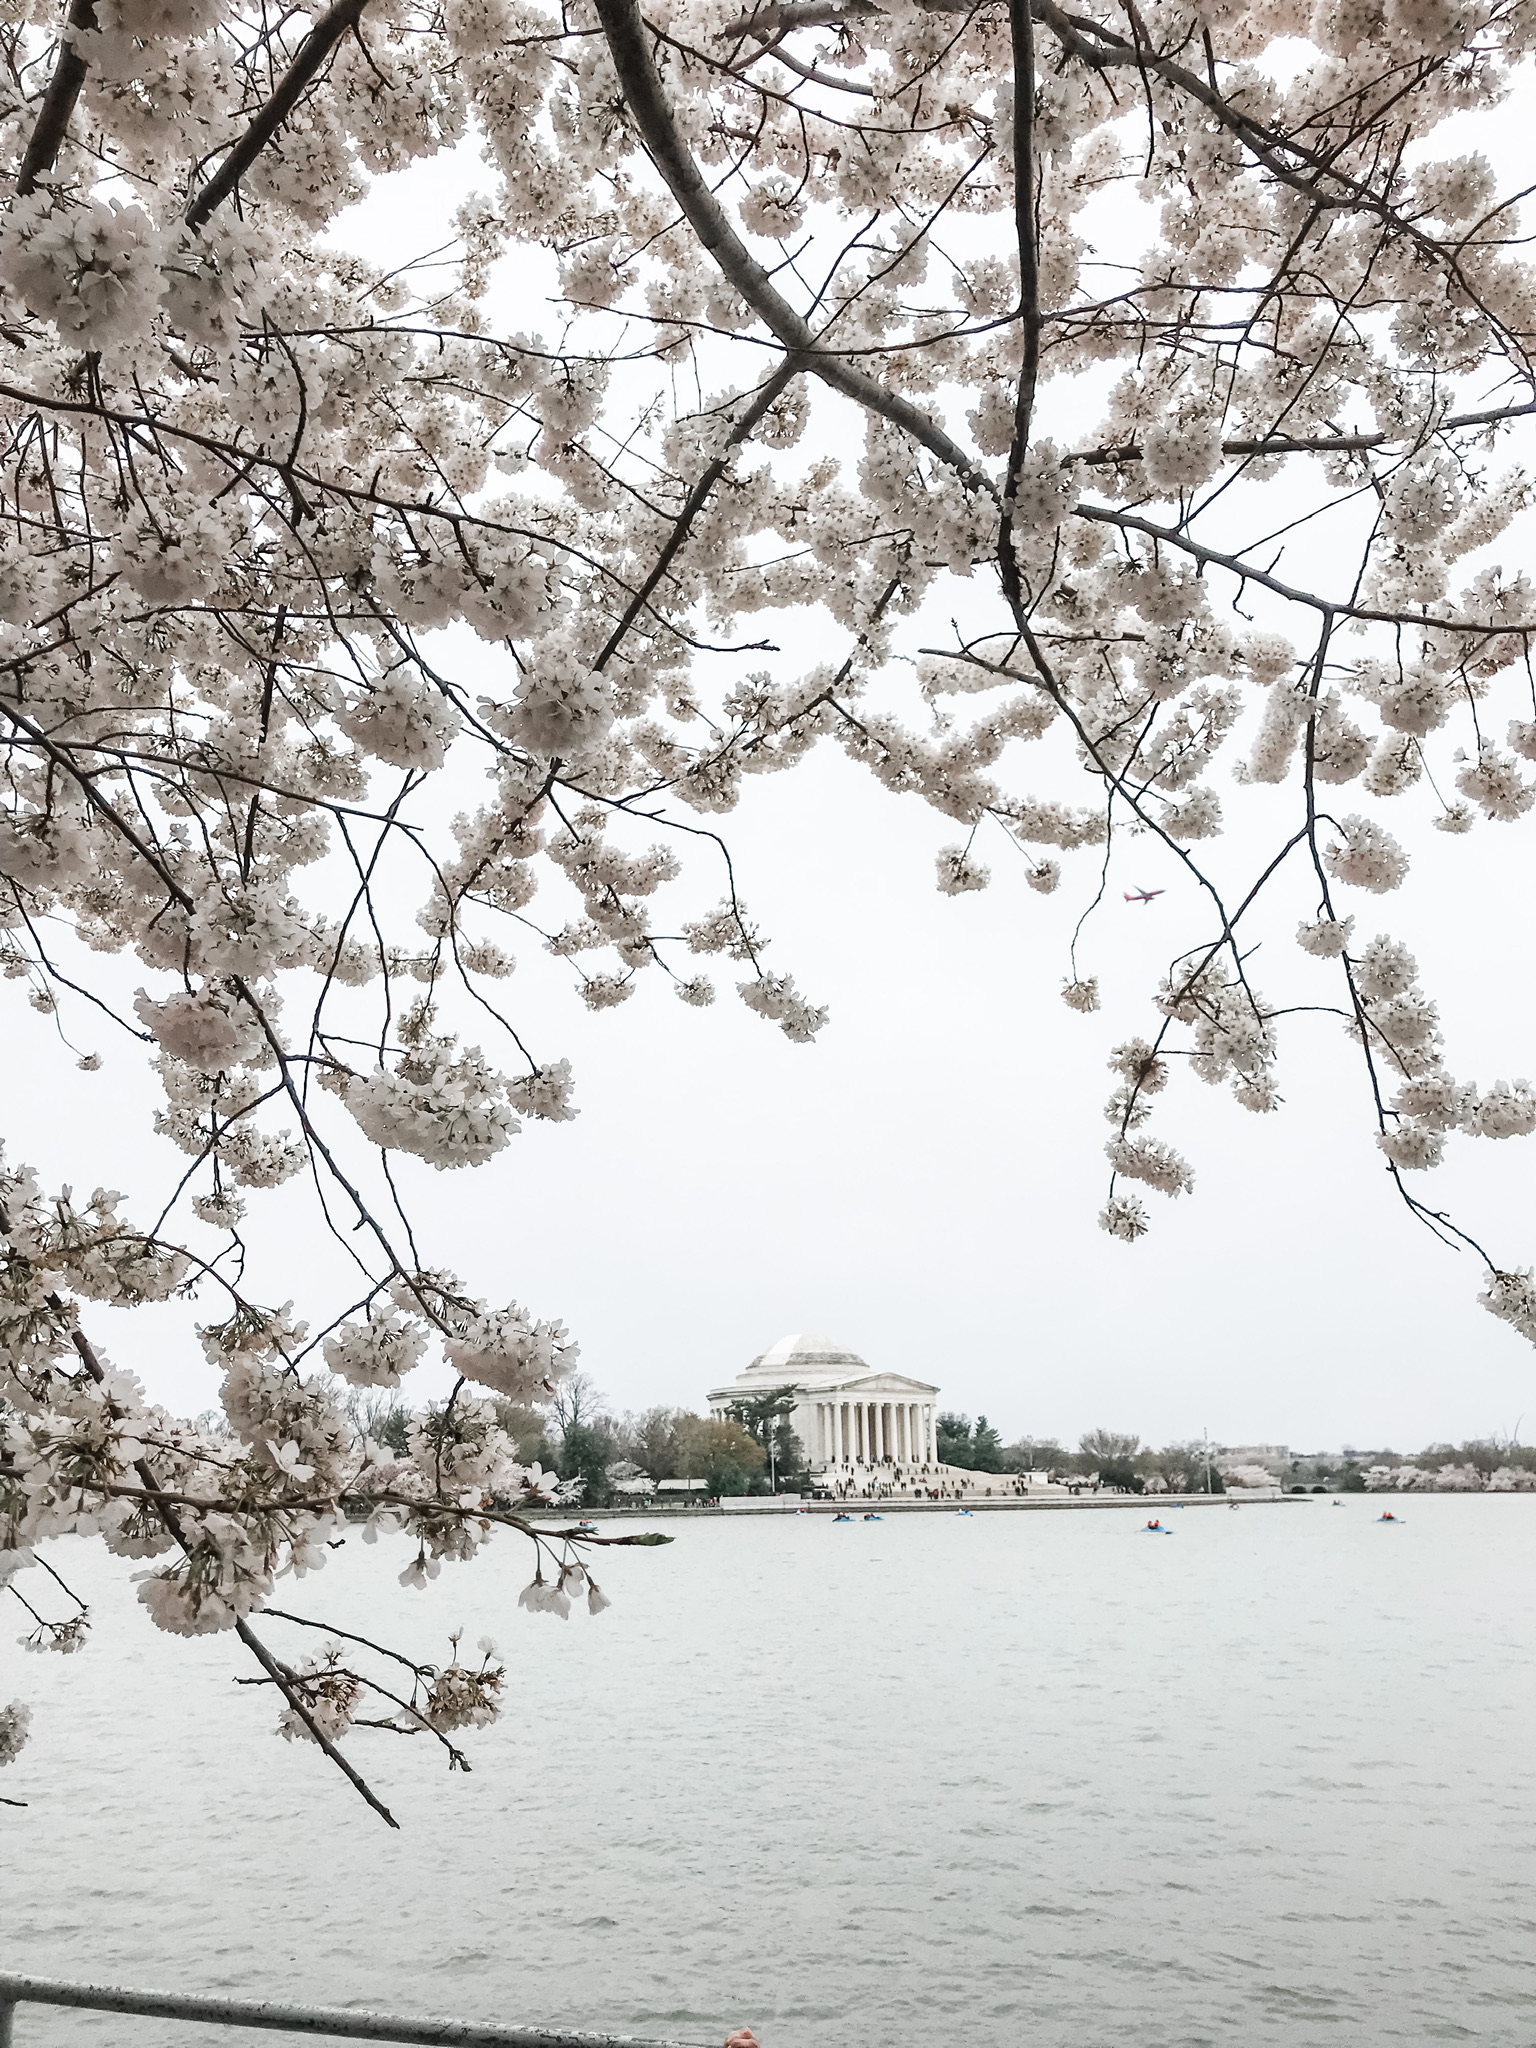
(922,1182)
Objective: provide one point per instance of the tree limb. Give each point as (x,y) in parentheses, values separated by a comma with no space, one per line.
(47,136)
(281,1676)
(1026,230)
(755,413)
(311,54)
(1328,444)
(647,102)
(1343,608)
(288,1684)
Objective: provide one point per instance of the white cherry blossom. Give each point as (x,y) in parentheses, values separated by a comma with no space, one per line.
(365,627)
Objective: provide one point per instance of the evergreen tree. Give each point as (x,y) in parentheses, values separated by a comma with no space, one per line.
(955,1443)
(765,1418)
(986,1448)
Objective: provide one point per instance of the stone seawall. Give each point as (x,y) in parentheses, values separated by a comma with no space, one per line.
(1150,1504)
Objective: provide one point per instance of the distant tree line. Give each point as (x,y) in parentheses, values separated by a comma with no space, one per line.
(1112,1458)
(1493,1464)
(1104,1457)
(579,1437)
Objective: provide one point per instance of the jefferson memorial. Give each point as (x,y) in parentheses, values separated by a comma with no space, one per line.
(845,1415)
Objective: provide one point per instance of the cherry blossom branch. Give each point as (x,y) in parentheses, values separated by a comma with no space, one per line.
(697,498)
(1268,148)
(647,103)
(47,137)
(290,1685)
(279,1673)
(308,59)
(1176,537)
(245,459)
(1318,444)
(346,1635)
(1027,237)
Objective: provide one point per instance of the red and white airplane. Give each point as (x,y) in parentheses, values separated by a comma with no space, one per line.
(1142,895)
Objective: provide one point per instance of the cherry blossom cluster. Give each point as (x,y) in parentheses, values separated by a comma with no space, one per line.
(1100,425)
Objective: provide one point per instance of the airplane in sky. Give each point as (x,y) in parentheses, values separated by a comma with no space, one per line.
(1142,895)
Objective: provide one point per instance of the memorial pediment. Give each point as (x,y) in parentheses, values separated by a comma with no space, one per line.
(886,1383)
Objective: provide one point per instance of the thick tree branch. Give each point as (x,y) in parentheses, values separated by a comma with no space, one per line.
(792,14)
(1027,235)
(58,101)
(629,44)
(806,71)
(311,54)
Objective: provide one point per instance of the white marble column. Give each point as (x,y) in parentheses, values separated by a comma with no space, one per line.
(933,1437)
(915,1426)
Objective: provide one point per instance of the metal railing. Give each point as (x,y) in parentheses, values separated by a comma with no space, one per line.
(291,2019)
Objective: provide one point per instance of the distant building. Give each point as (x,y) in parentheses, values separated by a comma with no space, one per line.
(1274,1457)
(866,1433)
(845,1413)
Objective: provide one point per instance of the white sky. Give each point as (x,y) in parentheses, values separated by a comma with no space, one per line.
(922,1183)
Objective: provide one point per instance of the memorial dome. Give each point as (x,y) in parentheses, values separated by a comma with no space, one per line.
(800,1353)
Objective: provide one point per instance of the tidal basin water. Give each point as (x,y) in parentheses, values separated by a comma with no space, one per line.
(928,1780)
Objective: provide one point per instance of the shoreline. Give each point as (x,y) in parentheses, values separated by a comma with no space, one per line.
(1150,1503)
